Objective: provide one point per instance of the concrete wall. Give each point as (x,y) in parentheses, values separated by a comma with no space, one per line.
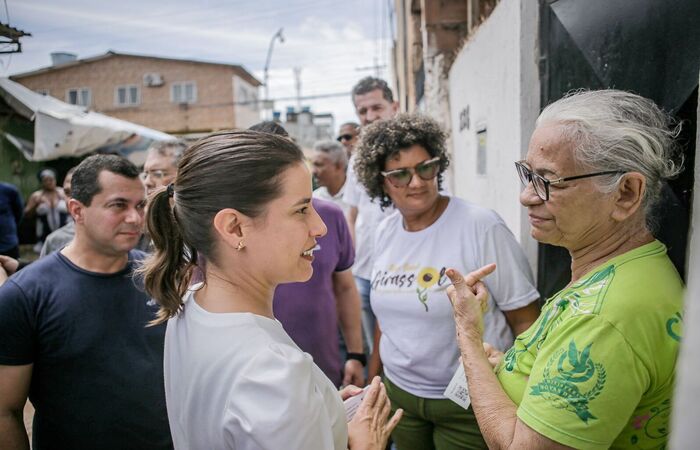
(494,98)
(213,109)
(685,432)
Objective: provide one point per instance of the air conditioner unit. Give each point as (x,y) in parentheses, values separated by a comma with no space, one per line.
(152,80)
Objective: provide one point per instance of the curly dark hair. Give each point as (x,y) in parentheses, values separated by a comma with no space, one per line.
(385,138)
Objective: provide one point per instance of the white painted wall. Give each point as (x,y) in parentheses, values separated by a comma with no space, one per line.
(495,77)
(685,432)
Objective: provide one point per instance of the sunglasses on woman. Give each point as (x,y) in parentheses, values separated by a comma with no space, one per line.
(427,170)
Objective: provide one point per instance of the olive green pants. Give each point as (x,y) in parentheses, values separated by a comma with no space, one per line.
(432,424)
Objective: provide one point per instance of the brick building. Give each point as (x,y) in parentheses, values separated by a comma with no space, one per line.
(171,95)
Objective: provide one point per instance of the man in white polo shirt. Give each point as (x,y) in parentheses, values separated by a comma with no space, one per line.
(373,101)
(329,164)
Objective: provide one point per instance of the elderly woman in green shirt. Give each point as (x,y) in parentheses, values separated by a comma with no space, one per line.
(596,369)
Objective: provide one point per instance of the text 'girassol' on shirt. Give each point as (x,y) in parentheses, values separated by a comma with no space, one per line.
(408,291)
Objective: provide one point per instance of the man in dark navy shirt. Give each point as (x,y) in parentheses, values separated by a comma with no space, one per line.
(73,329)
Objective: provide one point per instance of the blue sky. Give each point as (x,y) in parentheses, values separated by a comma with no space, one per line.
(328,39)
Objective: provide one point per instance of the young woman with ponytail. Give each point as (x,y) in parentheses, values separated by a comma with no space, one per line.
(233,378)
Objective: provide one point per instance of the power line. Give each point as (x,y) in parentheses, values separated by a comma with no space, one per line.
(149,16)
(209,23)
(307,97)
(205,22)
(241,103)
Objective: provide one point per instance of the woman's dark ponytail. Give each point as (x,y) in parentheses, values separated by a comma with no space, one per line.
(168,270)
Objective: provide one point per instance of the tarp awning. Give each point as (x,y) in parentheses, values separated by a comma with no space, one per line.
(61,129)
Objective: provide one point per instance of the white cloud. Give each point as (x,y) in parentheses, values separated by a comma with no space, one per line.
(329,39)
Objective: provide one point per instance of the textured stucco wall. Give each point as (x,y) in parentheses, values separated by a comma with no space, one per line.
(494,85)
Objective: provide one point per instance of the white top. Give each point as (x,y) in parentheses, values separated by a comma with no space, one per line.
(323,194)
(369,215)
(408,291)
(238,381)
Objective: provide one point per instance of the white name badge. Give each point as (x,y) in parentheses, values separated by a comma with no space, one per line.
(458,390)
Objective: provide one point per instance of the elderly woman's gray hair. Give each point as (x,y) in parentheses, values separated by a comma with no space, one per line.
(335,151)
(618,130)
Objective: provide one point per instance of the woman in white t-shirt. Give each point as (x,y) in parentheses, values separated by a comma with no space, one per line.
(233,378)
(400,162)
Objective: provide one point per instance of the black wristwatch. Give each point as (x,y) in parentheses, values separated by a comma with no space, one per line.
(357,357)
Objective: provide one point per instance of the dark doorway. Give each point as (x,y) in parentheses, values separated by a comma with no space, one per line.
(649,47)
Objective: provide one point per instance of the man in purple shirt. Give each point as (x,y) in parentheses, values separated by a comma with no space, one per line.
(310,312)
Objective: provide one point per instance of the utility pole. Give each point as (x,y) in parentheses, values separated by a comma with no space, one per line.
(297,83)
(275,36)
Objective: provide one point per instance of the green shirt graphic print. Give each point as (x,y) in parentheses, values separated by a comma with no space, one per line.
(596,369)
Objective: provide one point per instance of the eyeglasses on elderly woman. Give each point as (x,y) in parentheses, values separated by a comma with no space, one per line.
(541,184)
(426,170)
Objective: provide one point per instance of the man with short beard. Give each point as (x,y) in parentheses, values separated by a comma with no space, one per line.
(73,329)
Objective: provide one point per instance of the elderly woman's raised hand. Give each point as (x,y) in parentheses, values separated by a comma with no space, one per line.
(469,298)
(370,428)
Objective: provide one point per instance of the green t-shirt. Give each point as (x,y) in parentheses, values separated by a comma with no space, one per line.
(596,369)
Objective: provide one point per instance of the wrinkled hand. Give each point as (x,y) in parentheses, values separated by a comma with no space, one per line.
(493,354)
(9,264)
(3,276)
(354,373)
(371,426)
(469,298)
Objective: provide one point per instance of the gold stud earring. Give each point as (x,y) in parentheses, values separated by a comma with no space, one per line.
(240,246)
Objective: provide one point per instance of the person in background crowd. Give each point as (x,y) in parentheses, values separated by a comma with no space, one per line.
(10,215)
(311,312)
(373,101)
(160,167)
(61,237)
(597,368)
(233,377)
(401,162)
(347,135)
(73,334)
(269,126)
(159,170)
(329,165)
(48,205)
